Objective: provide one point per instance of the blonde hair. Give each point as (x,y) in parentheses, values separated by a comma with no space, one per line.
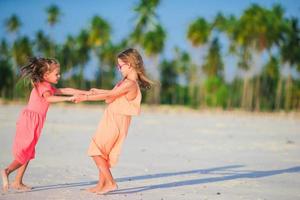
(133,57)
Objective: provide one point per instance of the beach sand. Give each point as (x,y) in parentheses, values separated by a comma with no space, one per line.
(168,154)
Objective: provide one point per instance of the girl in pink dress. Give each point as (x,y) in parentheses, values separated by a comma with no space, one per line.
(42,72)
(123,102)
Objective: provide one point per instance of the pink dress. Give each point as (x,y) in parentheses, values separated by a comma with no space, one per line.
(30,123)
(113,127)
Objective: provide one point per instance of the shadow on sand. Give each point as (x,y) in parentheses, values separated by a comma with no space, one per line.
(224,173)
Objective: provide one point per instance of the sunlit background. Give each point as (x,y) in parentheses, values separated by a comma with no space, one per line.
(204,54)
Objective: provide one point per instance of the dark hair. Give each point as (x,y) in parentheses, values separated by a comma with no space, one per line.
(37,67)
(132,57)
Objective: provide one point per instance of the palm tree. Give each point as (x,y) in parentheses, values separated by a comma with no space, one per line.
(153,44)
(54,15)
(99,35)
(257,30)
(215,90)
(146,18)
(107,55)
(252,33)
(13,24)
(149,36)
(6,78)
(198,34)
(261,31)
(42,44)
(21,51)
(213,65)
(83,53)
(68,57)
(186,75)
(6,71)
(169,80)
(270,76)
(99,32)
(290,51)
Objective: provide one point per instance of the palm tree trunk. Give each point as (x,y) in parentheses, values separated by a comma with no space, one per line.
(257,94)
(247,98)
(288,94)
(201,96)
(153,96)
(52,44)
(257,63)
(191,93)
(157,88)
(245,91)
(81,78)
(250,95)
(278,93)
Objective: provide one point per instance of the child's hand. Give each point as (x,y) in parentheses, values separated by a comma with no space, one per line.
(90,92)
(93,91)
(96,91)
(80,98)
(72,98)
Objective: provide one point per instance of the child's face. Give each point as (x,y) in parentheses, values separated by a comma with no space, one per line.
(53,76)
(123,67)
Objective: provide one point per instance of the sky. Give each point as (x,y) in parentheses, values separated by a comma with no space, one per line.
(174,15)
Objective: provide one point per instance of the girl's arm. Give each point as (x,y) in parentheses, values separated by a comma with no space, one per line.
(71,91)
(109,94)
(53,99)
(109,100)
(97,91)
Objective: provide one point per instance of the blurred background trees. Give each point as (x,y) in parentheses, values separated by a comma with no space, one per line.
(265,43)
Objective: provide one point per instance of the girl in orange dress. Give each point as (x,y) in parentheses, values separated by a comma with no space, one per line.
(42,72)
(123,102)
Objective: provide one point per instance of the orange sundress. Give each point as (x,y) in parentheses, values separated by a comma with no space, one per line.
(113,127)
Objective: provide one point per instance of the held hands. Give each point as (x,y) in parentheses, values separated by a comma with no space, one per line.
(84,96)
(72,99)
(90,92)
(80,98)
(94,91)
(76,98)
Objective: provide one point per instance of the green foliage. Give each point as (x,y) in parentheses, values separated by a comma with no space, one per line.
(213,65)
(216,92)
(199,32)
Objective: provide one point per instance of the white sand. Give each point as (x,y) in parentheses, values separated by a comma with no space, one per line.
(167,155)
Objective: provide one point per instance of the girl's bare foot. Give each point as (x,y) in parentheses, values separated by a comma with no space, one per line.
(5,183)
(20,186)
(108,187)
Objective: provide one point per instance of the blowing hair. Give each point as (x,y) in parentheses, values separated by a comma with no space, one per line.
(132,57)
(36,68)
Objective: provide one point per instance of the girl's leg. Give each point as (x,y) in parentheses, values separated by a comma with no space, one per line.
(18,183)
(99,184)
(109,182)
(5,173)
(101,178)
